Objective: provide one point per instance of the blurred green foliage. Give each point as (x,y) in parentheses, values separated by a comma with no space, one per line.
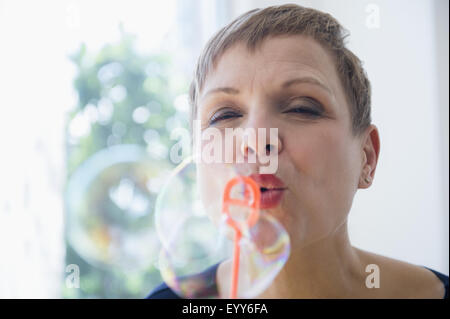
(123,95)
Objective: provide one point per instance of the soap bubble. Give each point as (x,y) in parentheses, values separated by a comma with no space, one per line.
(198,239)
(110,201)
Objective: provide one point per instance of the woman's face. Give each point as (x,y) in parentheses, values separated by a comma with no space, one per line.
(289,83)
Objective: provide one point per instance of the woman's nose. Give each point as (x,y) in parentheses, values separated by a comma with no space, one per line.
(266,143)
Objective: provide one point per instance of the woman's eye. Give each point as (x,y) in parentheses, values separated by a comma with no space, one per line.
(223,116)
(304,110)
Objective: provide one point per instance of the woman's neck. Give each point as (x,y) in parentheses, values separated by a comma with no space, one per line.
(327,268)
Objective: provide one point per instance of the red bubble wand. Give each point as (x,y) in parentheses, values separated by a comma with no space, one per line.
(252,196)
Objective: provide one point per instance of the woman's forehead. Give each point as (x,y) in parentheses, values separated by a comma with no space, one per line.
(277,60)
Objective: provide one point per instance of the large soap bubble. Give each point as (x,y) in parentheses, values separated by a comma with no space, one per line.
(212,250)
(110,204)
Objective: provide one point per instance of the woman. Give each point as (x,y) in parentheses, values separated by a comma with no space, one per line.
(287,67)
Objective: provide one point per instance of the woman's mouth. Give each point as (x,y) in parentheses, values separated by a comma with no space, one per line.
(272,189)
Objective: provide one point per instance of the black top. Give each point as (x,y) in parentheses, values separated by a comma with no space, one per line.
(443,278)
(164,292)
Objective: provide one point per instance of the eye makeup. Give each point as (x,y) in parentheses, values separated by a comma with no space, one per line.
(223,114)
(303,105)
(299,105)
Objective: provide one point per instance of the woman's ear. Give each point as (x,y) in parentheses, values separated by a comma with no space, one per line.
(371,151)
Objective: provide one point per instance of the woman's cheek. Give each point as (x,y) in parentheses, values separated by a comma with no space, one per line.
(209,189)
(319,157)
(338,171)
(308,149)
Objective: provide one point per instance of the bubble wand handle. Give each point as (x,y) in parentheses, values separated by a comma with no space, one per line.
(235,273)
(252,196)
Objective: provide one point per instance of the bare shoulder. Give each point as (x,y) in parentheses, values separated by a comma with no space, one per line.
(399,279)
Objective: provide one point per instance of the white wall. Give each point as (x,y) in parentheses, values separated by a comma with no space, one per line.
(404,214)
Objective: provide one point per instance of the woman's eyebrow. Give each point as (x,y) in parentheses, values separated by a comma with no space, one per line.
(309,80)
(227,90)
(234,91)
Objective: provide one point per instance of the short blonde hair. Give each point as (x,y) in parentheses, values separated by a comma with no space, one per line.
(256,25)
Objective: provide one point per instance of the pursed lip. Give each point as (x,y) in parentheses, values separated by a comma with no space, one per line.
(268,181)
(272,189)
